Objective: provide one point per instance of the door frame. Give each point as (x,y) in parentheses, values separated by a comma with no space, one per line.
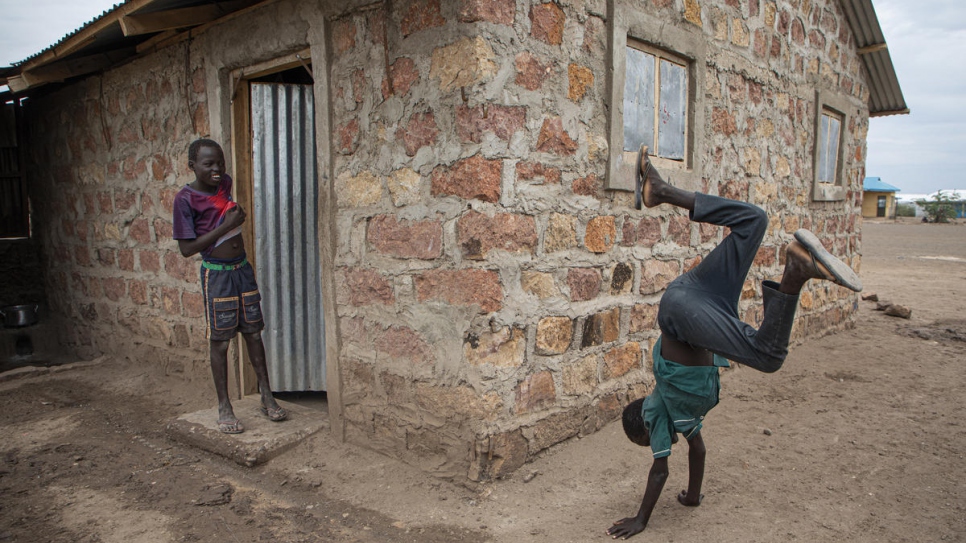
(241,140)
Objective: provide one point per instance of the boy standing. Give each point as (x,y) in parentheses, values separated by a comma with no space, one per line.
(207,221)
(700,328)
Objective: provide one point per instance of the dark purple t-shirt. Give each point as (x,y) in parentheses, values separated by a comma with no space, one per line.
(196,213)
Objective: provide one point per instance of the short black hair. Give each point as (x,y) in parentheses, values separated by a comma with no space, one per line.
(198,144)
(633,420)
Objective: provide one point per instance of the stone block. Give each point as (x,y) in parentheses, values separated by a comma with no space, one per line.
(580,378)
(404,343)
(404,187)
(420,15)
(504,348)
(692,12)
(561,233)
(554,429)
(405,239)
(502,121)
(621,360)
(554,139)
(364,189)
(149,261)
(402,74)
(366,286)
(420,131)
(590,185)
(580,79)
(531,73)
(554,335)
(138,291)
(621,279)
(471,178)
(547,23)
(344,35)
(584,284)
(679,230)
(479,234)
(462,287)
(463,64)
(347,137)
(530,171)
(643,318)
(540,284)
(657,274)
(490,11)
(601,328)
(601,234)
(534,393)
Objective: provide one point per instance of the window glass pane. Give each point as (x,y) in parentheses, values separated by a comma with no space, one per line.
(671,121)
(833,148)
(638,100)
(823,150)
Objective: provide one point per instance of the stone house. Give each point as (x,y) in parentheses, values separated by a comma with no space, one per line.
(441,193)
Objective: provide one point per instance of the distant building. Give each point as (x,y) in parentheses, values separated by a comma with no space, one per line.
(958,197)
(878,198)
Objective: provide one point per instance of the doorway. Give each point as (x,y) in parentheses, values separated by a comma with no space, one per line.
(284,198)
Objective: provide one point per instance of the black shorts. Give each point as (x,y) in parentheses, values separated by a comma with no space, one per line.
(232,300)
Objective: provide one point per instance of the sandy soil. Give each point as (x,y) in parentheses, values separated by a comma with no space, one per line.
(858,438)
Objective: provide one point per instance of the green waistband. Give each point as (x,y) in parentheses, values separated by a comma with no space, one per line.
(224,267)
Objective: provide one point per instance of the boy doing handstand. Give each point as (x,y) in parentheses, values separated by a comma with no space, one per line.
(700,329)
(207,221)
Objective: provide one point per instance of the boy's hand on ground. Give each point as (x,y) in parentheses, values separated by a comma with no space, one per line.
(685,500)
(624,528)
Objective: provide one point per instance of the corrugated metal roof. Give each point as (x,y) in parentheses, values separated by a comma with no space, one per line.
(875,184)
(72,34)
(885,95)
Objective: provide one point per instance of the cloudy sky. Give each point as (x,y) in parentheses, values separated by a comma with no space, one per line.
(919,153)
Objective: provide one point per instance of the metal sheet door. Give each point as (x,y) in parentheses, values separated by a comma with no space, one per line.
(286,197)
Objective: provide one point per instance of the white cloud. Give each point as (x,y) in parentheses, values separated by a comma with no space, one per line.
(925,151)
(30,26)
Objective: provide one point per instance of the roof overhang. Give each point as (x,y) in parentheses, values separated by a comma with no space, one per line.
(885,95)
(137,27)
(129,30)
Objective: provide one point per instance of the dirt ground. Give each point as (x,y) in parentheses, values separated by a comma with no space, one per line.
(858,438)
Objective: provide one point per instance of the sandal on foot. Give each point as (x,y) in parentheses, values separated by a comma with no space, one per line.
(826,265)
(641,177)
(230,426)
(274,414)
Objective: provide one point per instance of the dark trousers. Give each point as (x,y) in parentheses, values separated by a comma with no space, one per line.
(700,308)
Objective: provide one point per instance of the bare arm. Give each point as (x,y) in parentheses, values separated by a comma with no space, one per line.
(234,218)
(696,454)
(630,526)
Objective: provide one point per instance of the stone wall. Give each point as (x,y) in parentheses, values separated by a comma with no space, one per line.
(492,292)
(493,298)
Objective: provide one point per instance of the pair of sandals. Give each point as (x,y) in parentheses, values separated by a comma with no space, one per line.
(824,264)
(274,414)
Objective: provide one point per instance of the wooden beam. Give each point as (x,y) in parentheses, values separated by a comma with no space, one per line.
(872,48)
(65,69)
(136,24)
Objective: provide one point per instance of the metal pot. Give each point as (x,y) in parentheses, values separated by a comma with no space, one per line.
(16,316)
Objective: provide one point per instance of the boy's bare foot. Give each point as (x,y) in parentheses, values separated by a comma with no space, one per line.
(684,500)
(806,258)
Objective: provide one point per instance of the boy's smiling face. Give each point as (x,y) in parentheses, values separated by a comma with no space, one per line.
(208,167)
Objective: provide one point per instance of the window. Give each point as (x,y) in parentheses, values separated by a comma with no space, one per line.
(831,124)
(655,102)
(657,82)
(829,135)
(14,206)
